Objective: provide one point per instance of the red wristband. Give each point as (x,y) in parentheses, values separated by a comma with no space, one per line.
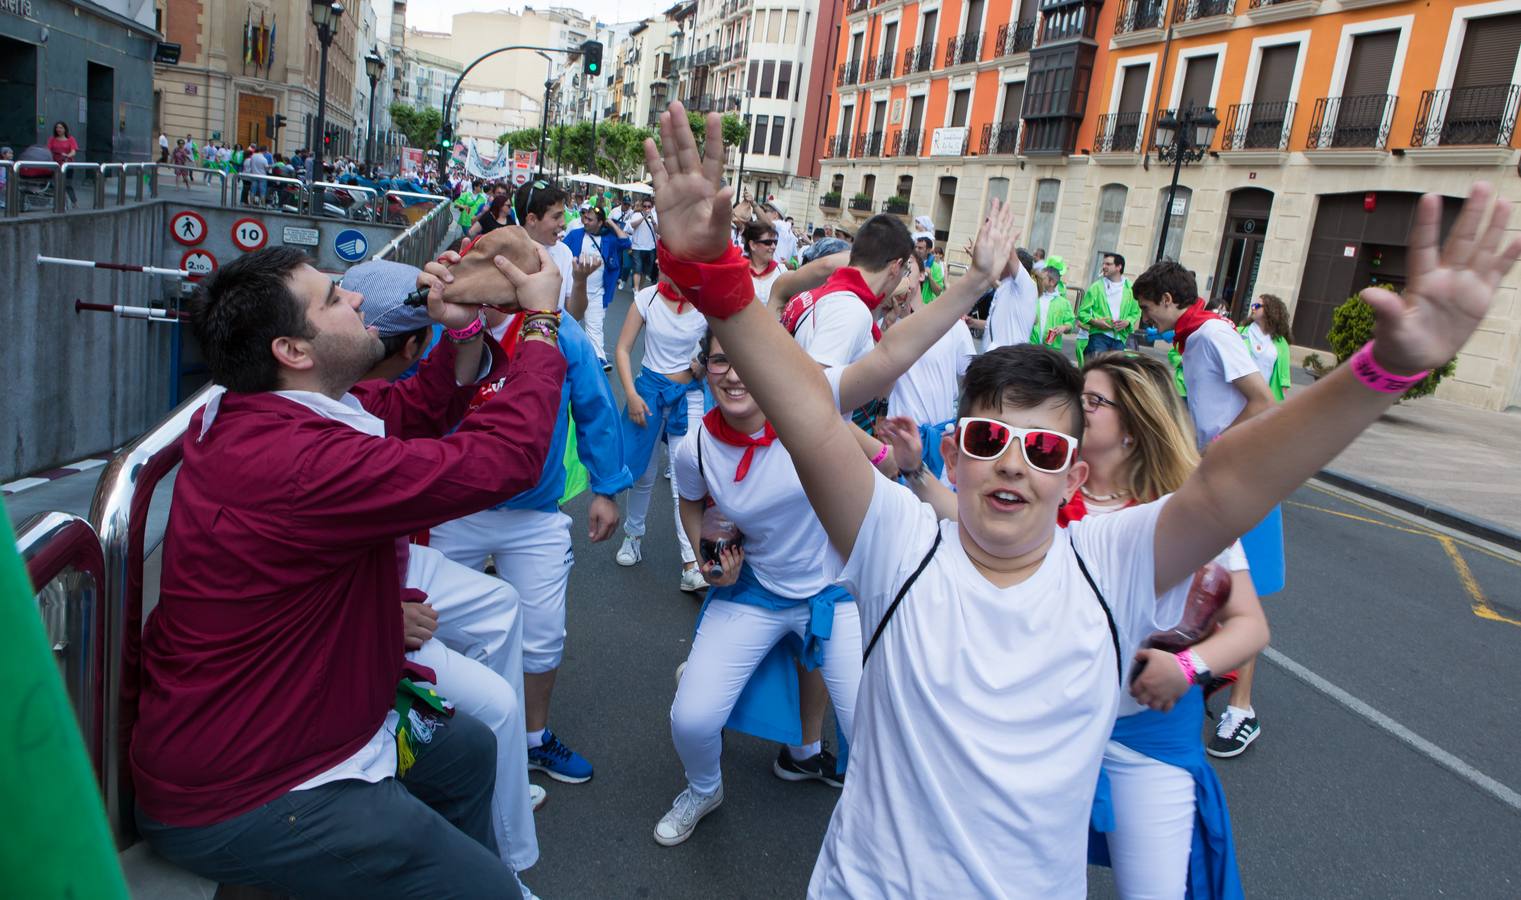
(1380,379)
(719,288)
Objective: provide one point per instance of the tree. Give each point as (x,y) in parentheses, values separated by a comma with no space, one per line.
(735,129)
(1352,326)
(419,125)
(523,139)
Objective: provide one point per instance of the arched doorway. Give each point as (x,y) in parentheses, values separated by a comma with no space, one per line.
(1246,224)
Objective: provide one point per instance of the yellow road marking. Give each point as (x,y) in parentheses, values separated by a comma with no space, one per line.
(1481,607)
(1386,514)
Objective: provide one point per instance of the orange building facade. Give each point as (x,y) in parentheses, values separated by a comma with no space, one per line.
(1333,117)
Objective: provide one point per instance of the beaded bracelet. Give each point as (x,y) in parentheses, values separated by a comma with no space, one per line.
(547,327)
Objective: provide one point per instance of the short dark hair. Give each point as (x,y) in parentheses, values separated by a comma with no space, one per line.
(756,231)
(1025,376)
(393,343)
(244,306)
(879,241)
(1025,259)
(1118,260)
(536,200)
(1167,277)
(929,243)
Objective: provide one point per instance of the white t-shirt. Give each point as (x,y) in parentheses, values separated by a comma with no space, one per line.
(837,332)
(786,241)
(1012,313)
(784,540)
(1114,292)
(564,260)
(641,231)
(764,284)
(670,341)
(1213,357)
(592,252)
(983,712)
(927,392)
(1264,353)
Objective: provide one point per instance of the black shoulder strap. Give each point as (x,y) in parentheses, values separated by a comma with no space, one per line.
(902,592)
(1114,633)
(700,473)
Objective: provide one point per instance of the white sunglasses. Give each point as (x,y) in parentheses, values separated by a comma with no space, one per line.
(1044,450)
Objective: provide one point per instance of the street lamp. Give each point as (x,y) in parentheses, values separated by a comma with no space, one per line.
(739,180)
(1180,139)
(325,16)
(374,67)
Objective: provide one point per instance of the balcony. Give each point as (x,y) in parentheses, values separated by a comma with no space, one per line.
(919,59)
(848,73)
(1258,126)
(868,143)
(962,49)
(1140,22)
(1067,24)
(1352,123)
(854,6)
(1000,138)
(1481,118)
(907,142)
(830,200)
(1191,17)
(878,68)
(860,203)
(1120,135)
(1015,37)
(897,206)
(629,89)
(837,147)
(1261,12)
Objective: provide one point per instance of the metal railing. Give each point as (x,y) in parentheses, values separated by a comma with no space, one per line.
(1360,121)
(847,73)
(1484,115)
(879,68)
(1141,15)
(860,204)
(962,49)
(906,142)
(869,143)
(898,206)
(854,6)
(1000,138)
(1194,10)
(830,200)
(919,59)
(1258,126)
(1015,37)
(1120,133)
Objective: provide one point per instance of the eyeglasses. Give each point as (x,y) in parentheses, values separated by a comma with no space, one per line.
(1043,450)
(717,364)
(1092,401)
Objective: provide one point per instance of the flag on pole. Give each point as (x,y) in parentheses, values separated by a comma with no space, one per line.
(269,62)
(65,848)
(248,37)
(259,50)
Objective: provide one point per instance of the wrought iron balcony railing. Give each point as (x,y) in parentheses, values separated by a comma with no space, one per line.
(1015,37)
(1120,133)
(1258,126)
(919,59)
(1194,10)
(837,147)
(848,73)
(879,67)
(1484,115)
(1000,138)
(895,205)
(906,142)
(860,204)
(962,49)
(830,201)
(1346,122)
(1140,15)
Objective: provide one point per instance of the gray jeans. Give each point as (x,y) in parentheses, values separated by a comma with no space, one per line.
(426,835)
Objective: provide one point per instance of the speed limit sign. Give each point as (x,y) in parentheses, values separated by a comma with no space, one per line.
(249,234)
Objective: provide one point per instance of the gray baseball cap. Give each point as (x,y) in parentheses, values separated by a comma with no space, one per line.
(385,285)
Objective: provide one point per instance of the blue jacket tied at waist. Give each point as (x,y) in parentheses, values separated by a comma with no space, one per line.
(667,401)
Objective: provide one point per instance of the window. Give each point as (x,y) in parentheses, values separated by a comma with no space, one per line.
(1106,230)
(1369,65)
(754,73)
(927,29)
(998,189)
(1482,100)
(784,80)
(758,144)
(1013,100)
(768,72)
(778,128)
(837,183)
(774,27)
(791,30)
(1198,82)
(1043,223)
(962,100)
(905,186)
(916,113)
(869,185)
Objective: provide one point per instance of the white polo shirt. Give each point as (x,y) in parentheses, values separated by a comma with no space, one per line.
(1213,357)
(1012,313)
(927,392)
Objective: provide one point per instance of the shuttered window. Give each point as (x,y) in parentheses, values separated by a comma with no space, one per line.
(1133,89)
(1489,51)
(1370,63)
(1013,100)
(1275,74)
(963,100)
(1027,10)
(973,17)
(1198,79)
(916,113)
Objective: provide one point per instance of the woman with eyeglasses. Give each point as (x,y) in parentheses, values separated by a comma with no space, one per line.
(1267,335)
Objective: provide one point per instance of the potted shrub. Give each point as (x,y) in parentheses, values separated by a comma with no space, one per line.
(831,198)
(897,205)
(1352,326)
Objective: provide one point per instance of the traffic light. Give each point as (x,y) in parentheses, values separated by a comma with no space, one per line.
(591,58)
(279,121)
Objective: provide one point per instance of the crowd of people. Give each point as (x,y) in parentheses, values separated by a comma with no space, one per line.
(1012,578)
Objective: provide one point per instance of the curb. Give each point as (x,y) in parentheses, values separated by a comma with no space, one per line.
(1443,515)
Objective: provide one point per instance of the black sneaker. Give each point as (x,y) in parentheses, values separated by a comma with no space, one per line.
(1233,735)
(822,766)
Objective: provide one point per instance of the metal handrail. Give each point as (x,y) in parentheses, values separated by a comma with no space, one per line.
(12,188)
(193,170)
(121,183)
(68,571)
(432,227)
(238,177)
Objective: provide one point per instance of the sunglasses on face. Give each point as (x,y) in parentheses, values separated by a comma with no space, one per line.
(1043,450)
(770,243)
(1256,306)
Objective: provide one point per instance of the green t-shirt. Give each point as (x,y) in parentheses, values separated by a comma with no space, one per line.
(935,273)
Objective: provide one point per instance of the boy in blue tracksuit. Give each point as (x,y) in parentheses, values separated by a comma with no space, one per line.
(607,245)
(528,537)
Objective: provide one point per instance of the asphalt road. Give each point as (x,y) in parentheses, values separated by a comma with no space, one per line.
(1386,766)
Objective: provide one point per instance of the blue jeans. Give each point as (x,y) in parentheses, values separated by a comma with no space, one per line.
(426,835)
(1102,343)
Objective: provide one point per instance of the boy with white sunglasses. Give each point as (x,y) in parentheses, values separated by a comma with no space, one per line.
(980,728)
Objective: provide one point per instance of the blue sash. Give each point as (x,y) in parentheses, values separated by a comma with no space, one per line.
(667,401)
(1264,553)
(1173,738)
(929,436)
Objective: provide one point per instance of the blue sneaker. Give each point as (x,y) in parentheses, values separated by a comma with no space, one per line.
(558,761)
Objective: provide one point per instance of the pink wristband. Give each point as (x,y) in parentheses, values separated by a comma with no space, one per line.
(460,335)
(1186,664)
(881,455)
(1380,379)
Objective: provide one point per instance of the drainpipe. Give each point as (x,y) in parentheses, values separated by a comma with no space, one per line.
(1156,99)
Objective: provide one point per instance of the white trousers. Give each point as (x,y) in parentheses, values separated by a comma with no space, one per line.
(596,313)
(1154,824)
(639,496)
(477,655)
(531,550)
(731,641)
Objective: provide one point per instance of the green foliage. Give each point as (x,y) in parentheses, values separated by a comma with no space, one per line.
(419,125)
(735,130)
(524,139)
(860,195)
(830,198)
(1352,326)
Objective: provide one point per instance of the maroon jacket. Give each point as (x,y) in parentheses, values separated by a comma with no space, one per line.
(275,649)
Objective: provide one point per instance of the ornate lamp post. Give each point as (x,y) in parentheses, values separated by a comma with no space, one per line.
(1182,138)
(325,15)
(374,68)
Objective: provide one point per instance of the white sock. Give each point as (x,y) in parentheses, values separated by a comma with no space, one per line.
(1240,713)
(805,751)
(536,738)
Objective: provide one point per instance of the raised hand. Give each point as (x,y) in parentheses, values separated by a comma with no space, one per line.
(995,242)
(1448,293)
(582,267)
(694,209)
(902,434)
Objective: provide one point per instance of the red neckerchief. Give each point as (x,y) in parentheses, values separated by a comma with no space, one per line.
(1192,318)
(770,267)
(1076,508)
(720,428)
(845,279)
(673,293)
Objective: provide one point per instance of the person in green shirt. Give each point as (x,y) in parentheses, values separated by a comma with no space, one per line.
(1053,312)
(1108,309)
(934,271)
(469,204)
(1267,334)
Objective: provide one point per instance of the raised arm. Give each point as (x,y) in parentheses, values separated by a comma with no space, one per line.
(1255,466)
(805,278)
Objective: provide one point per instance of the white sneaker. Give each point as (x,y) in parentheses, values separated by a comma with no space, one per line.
(629,553)
(537,797)
(678,824)
(692,580)
(679,669)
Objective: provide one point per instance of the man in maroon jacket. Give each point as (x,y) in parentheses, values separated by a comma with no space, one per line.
(265,750)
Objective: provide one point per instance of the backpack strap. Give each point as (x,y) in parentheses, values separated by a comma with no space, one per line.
(1114,633)
(902,592)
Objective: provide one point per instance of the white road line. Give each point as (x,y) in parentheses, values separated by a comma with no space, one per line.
(85,465)
(1426,748)
(21,484)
